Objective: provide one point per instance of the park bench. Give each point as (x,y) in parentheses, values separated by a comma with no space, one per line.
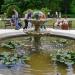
(7,23)
(68,27)
(70,24)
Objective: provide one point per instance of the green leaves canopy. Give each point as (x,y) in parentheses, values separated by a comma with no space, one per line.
(65,6)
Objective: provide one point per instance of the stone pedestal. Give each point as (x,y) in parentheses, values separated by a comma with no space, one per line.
(37,24)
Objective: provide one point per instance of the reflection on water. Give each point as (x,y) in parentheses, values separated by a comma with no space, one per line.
(39,64)
(69,69)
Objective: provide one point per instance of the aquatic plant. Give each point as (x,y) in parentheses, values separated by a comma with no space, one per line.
(10,59)
(13,58)
(64,57)
(10,45)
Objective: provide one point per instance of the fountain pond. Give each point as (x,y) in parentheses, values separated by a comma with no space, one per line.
(39,63)
(39,52)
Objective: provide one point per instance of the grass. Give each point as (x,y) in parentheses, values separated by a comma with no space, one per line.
(48,24)
(2,25)
(73,23)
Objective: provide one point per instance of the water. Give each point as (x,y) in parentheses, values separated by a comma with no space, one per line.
(40,62)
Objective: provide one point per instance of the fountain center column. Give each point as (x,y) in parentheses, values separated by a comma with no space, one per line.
(37,42)
(36,33)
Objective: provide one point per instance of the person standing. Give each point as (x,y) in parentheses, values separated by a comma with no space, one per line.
(56,14)
(16,19)
(12,21)
(28,15)
(60,14)
(48,14)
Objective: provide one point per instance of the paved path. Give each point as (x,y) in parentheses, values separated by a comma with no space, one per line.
(5,33)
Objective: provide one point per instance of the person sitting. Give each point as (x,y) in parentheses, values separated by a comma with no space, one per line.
(15,20)
(65,24)
(58,23)
(12,20)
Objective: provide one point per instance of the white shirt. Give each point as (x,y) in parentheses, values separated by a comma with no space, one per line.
(26,16)
(65,21)
(58,22)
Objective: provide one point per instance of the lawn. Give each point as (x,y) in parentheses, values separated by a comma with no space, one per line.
(48,24)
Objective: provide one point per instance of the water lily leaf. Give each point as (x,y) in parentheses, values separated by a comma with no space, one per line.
(5,54)
(9,45)
(13,59)
(7,63)
(27,58)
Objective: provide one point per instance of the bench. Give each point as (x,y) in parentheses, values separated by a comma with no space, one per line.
(70,24)
(8,23)
(67,27)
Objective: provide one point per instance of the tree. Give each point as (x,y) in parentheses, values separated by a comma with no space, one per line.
(55,5)
(65,6)
(1,2)
(10,10)
(72,6)
(6,4)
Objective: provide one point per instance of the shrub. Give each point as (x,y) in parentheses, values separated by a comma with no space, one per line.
(27,11)
(45,10)
(72,7)
(9,11)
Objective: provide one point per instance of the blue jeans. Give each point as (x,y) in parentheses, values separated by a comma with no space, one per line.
(17,25)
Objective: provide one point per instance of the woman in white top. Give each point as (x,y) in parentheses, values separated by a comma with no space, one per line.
(65,25)
(65,20)
(58,23)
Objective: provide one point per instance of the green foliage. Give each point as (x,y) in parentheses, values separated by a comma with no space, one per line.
(8,45)
(8,58)
(6,4)
(65,6)
(73,6)
(8,1)
(45,10)
(54,5)
(26,11)
(1,3)
(10,10)
(64,57)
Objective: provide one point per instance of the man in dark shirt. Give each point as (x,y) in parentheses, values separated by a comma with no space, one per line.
(27,16)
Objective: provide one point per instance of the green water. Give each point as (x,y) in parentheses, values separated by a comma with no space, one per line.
(42,65)
(40,62)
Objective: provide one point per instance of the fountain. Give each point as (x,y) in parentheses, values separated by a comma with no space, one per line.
(37,22)
(40,63)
